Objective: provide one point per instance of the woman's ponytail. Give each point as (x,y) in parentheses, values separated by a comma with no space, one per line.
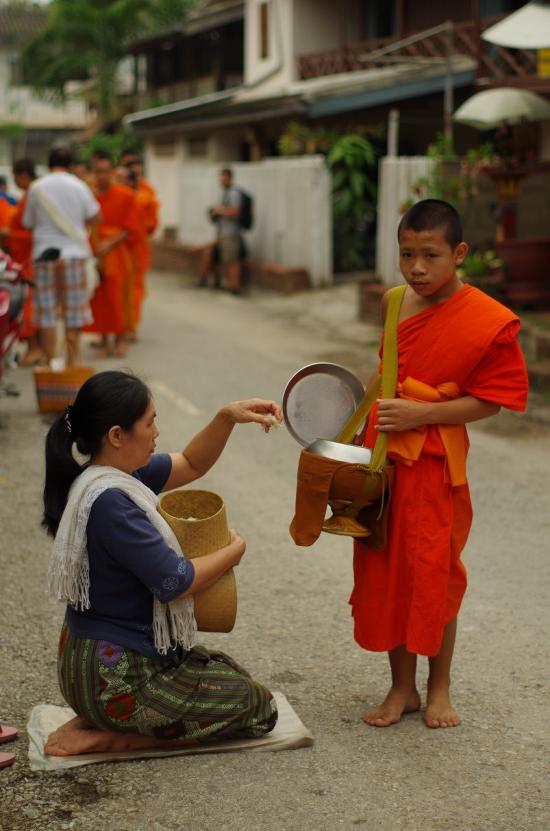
(61,471)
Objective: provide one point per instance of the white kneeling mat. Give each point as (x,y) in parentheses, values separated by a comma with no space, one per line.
(289,733)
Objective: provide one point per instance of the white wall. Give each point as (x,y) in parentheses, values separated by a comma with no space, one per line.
(317,26)
(395,180)
(277,71)
(162,170)
(293,224)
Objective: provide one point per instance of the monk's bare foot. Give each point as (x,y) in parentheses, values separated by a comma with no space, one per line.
(120,349)
(76,738)
(396,704)
(33,358)
(439,710)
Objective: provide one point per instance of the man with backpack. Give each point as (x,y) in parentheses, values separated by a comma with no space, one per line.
(231,215)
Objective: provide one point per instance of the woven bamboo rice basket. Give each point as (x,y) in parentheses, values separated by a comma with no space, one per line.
(56,389)
(199,521)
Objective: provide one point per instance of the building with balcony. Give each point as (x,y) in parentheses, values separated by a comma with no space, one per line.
(29,123)
(330,63)
(223,84)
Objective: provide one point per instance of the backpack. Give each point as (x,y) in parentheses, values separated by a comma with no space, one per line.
(246,215)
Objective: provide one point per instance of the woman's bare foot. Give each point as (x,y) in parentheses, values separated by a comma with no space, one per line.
(76,737)
(397,703)
(439,710)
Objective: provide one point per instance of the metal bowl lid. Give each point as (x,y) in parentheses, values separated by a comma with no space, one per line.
(318,401)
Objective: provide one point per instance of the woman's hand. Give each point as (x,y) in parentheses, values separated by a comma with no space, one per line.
(210,567)
(257,410)
(239,545)
(399,414)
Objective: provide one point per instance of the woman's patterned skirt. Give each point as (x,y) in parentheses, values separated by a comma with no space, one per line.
(200,695)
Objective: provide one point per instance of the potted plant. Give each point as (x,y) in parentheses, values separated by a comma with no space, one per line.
(484,270)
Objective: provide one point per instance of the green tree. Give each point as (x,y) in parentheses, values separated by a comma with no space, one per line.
(86,39)
(352,160)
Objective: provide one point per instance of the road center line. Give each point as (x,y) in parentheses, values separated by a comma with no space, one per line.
(181,403)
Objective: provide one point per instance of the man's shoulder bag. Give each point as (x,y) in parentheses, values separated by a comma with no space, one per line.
(358,492)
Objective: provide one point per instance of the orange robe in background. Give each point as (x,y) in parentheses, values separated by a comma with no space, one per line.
(408,592)
(20,248)
(147,210)
(6,213)
(112,303)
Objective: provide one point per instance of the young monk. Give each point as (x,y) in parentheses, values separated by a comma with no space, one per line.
(113,241)
(459,361)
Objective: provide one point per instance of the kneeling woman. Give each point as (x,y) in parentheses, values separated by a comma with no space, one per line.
(128,664)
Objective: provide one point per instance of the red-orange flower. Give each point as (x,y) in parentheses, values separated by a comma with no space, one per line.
(121,706)
(63,639)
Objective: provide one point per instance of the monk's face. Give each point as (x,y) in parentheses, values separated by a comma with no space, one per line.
(22,180)
(121,175)
(103,173)
(428,263)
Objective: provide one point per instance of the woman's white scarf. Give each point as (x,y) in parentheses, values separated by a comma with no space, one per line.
(69,572)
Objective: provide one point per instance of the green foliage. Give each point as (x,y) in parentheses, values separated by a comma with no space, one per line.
(351,160)
(299,139)
(112,143)
(484,270)
(87,39)
(13,130)
(451,178)
(479,264)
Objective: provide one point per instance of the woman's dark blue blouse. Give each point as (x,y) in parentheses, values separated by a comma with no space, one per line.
(130,564)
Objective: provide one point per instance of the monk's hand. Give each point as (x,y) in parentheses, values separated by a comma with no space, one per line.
(255,410)
(103,248)
(399,414)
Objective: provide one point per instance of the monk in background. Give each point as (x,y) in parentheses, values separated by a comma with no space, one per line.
(459,361)
(131,160)
(19,243)
(6,212)
(113,240)
(147,210)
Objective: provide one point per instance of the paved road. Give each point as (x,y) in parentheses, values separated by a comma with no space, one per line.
(294,632)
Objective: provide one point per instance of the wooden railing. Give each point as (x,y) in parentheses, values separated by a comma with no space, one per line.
(495,64)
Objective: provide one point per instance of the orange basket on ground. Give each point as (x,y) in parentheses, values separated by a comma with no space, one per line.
(56,389)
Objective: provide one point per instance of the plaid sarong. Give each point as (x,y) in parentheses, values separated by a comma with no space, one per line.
(200,695)
(61,289)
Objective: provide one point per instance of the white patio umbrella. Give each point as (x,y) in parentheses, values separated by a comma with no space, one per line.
(528,28)
(489,109)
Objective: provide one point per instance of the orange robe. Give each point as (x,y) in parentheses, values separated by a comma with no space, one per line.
(112,303)
(20,248)
(147,210)
(6,213)
(408,592)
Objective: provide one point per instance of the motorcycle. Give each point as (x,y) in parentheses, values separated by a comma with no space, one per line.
(14,288)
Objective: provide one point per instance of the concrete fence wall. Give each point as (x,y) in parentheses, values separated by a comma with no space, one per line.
(292,207)
(396,178)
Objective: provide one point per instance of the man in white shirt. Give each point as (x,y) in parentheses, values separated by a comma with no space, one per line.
(59,257)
